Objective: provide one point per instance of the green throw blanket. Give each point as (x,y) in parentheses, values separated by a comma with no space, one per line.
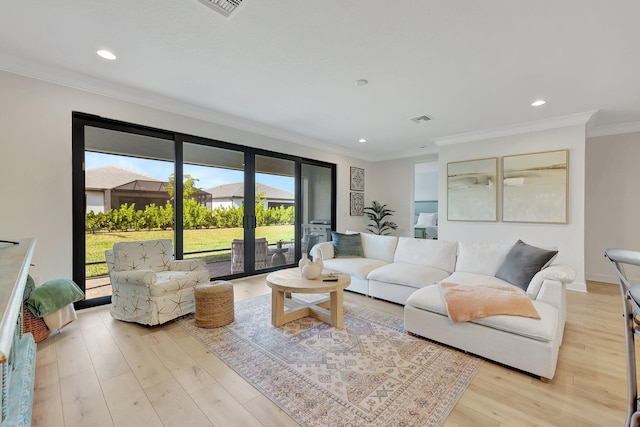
(52,296)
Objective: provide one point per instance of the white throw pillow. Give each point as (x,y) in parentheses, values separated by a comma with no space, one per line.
(427,219)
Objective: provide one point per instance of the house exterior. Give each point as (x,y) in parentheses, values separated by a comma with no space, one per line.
(228,195)
(111,187)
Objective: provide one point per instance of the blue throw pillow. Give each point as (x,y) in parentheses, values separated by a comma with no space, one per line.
(522,263)
(347,245)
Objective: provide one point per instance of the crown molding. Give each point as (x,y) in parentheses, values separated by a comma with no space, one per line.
(539,125)
(613,129)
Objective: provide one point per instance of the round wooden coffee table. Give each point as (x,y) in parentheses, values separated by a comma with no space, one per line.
(283,310)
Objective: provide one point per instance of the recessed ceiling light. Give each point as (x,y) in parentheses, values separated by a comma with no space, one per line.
(538,103)
(362,82)
(362,140)
(106,54)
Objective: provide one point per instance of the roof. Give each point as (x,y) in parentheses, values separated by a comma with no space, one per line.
(109,177)
(236,191)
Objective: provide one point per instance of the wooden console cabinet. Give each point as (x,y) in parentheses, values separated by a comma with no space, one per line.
(17,350)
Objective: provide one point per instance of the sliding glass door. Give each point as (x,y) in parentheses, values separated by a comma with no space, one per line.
(126,197)
(213,207)
(274,211)
(243,210)
(317,204)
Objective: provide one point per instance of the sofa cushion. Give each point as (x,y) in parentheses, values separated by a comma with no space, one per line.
(378,247)
(357,267)
(438,254)
(522,263)
(475,279)
(412,275)
(481,258)
(430,299)
(346,245)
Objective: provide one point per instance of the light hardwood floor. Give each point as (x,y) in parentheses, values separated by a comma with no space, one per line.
(103,372)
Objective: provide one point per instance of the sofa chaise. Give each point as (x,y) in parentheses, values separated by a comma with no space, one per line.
(408,271)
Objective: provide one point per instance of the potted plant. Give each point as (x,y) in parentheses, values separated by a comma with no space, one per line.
(377,213)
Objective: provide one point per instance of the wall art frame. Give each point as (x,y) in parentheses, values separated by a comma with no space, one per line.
(472,190)
(356,204)
(357,179)
(535,187)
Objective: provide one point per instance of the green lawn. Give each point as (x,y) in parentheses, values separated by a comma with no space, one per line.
(194,241)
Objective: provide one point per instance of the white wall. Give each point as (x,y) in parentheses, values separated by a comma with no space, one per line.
(426,181)
(612,202)
(569,238)
(35,161)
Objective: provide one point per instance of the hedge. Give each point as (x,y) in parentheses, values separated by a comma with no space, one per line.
(152,217)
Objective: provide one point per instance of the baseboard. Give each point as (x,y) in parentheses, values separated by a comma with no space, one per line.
(606,278)
(577,287)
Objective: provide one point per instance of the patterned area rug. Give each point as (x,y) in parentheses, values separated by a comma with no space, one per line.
(371,373)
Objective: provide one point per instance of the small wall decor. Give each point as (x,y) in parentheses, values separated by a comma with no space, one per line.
(357,179)
(472,193)
(535,187)
(357,204)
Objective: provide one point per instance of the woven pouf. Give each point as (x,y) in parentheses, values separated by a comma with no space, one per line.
(214,304)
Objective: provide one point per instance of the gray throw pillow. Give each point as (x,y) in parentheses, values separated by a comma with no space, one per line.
(347,245)
(522,263)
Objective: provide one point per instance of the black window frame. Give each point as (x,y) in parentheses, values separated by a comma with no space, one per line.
(80,120)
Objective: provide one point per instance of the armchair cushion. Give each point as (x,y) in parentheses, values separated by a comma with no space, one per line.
(187,265)
(135,277)
(154,255)
(169,282)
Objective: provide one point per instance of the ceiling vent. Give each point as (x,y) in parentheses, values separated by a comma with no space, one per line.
(421,119)
(223,7)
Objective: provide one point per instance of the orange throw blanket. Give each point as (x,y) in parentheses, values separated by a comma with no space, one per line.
(469,302)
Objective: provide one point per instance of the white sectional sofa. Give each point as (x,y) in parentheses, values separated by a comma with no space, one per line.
(406,271)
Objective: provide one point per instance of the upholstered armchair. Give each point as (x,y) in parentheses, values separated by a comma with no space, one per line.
(148,285)
(237,255)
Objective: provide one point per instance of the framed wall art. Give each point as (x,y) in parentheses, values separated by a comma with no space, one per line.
(357,204)
(357,179)
(472,192)
(535,187)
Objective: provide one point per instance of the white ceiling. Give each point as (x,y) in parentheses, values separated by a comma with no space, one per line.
(288,68)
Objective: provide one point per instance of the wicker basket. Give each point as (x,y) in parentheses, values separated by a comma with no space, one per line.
(214,304)
(34,325)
